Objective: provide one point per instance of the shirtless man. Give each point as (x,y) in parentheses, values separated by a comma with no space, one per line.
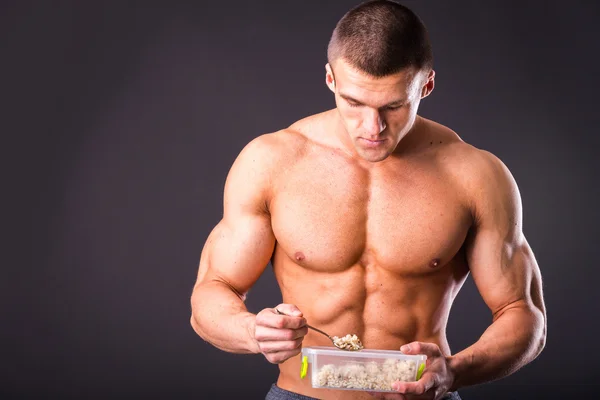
(372,217)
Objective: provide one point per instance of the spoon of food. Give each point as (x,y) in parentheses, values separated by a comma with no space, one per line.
(348,342)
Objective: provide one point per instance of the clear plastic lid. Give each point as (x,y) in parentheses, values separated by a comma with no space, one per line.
(364,353)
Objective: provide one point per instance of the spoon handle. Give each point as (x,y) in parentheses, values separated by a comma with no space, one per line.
(308,326)
(318,330)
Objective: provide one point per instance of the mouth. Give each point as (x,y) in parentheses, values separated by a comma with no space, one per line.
(372,143)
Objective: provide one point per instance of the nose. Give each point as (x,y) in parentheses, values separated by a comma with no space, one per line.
(373,123)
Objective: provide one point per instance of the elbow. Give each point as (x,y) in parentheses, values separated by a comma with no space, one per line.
(539,341)
(196,324)
(196,327)
(195,318)
(542,344)
(542,340)
(539,344)
(537,347)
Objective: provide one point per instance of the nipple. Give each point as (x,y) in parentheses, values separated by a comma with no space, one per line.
(299,256)
(434,263)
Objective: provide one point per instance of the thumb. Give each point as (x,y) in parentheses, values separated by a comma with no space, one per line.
(410,348)
(289,309)
(429,349)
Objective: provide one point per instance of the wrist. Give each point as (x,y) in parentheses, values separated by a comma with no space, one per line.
(249,322)
(456,365)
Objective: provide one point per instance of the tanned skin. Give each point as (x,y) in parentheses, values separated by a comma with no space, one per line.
(372,217)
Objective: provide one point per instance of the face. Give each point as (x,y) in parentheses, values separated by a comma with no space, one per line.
(377,112)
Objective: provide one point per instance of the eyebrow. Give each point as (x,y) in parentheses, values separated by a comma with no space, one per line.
(352,99)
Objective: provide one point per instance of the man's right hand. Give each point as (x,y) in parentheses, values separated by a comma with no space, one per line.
(278,336)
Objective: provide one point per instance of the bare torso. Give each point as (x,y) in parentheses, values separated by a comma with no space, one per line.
(375,250)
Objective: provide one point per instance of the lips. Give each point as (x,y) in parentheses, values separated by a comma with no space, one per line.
(372,143)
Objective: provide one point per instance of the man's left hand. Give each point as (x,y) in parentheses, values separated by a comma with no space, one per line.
(435,381)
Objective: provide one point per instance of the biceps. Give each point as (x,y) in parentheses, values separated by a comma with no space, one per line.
(237,252)
(504,271)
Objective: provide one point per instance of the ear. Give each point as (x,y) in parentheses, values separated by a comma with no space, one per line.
(329,78)
(429,84)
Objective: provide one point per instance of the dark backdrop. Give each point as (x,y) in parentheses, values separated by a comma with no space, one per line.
(120,121)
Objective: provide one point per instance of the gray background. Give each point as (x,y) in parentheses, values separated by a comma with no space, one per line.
(120,121)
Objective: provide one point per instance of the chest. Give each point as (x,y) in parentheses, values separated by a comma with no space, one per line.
(328,215)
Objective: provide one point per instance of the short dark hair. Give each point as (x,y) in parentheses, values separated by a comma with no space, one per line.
(381,37)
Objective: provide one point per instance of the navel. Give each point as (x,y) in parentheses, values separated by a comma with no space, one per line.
(299,256)
(434,263)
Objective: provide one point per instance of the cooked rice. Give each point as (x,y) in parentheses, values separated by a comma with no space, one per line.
(348,342)
(369,375)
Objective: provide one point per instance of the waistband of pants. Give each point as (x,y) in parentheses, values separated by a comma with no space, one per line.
(277,393)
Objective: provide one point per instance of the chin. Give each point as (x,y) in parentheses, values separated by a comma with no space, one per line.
(373,156)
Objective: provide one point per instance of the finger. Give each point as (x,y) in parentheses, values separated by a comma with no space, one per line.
(387,396)
(395,396)
(419,387)
(429,349)
(272,320)
(281,346)
(281,356)
(289,309)
(265,333)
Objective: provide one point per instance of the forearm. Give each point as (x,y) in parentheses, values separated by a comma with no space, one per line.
(514,339)
(220,317)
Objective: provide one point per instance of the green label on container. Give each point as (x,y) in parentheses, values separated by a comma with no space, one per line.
(420,371)
(304,367)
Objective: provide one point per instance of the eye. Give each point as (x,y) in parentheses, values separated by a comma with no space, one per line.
(390,108)
(351,104)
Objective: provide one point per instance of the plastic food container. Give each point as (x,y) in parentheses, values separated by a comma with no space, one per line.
(370,370)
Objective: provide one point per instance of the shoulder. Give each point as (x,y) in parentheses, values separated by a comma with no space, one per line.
(466,162)
(264,156)
(282,148)
(479,171)
(482,177)
(493,190)
(270,152)
(485,181)
(262,160)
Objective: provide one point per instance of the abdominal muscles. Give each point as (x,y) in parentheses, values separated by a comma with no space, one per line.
(376,254)
(384,308)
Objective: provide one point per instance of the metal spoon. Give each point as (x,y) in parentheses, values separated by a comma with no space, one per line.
(337,342)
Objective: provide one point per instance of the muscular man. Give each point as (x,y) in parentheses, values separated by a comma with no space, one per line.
(372,217)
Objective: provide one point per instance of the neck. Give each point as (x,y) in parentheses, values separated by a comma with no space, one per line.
(341,134)
(409,138)
(347,145)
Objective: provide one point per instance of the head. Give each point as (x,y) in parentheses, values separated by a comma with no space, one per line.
(379,68)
